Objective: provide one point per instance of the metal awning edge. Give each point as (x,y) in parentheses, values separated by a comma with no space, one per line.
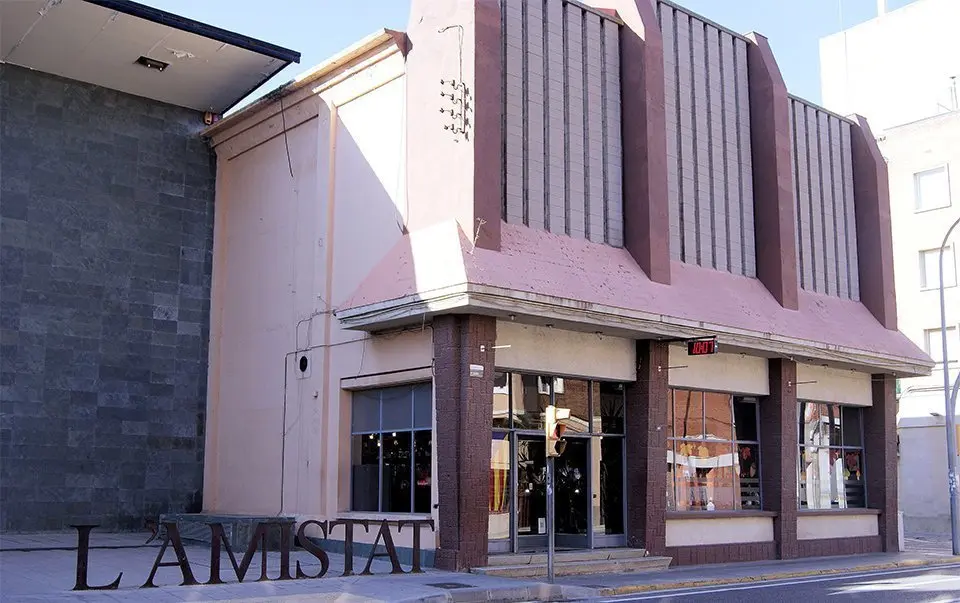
(161,17)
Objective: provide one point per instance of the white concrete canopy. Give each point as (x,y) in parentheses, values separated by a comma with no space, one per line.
(100,41)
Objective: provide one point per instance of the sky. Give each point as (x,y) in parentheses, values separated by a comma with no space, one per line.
(321,28)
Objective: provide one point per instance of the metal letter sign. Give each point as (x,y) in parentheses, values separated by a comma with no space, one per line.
(259,541)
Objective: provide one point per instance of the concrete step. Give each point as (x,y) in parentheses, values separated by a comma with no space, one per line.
(564,556)
(578,568)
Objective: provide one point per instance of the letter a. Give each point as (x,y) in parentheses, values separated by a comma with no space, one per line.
(173,535)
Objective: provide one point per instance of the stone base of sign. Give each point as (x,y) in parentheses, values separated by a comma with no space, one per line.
(238,529)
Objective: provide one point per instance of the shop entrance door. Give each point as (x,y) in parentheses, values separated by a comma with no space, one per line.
(589,475)
(572,491)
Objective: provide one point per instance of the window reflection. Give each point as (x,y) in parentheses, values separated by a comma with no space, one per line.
(611,407)
(590,472)
(396,473)
(713,460)
(501,400)
(575,395)
(688,414)
(529,403)
(500,484)
(608,485)
(831,457)
(365,472)
(423,474)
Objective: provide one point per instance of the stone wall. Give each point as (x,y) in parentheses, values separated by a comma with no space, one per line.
(106,202)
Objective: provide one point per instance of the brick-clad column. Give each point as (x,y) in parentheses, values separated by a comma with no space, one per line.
(464,408)
(779,449)
(646,441)
(880,457)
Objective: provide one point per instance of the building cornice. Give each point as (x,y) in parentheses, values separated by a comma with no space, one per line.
(577,315)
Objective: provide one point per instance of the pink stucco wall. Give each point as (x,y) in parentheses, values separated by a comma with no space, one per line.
(302,217)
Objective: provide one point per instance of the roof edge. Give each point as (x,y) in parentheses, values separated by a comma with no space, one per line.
(462,297)
(345,56)
(135,9)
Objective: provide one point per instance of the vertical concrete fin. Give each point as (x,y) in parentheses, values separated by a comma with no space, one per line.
(774,213)
(488,132)
(645,200)
(871,205)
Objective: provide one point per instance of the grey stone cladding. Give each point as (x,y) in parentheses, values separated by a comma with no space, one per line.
(106,229)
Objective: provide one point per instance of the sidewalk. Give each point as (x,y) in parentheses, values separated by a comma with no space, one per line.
(42,568)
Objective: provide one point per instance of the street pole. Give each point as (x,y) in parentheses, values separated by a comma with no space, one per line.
(949,409)
(550,543)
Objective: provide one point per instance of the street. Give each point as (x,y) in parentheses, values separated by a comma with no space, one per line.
(940,584)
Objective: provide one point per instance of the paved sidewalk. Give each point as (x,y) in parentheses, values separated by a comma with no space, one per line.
(41,568)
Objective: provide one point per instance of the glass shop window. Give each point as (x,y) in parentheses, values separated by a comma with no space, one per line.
(713,452)
(391,449)
(831,457)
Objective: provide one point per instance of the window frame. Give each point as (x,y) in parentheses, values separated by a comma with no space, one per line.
(925,278)
(380,434)
(734,442)
(953,330)
(917,206)
(843,447)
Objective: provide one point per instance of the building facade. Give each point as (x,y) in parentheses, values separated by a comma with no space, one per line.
(106,213)
(892,84)
(916,103)
(512,204)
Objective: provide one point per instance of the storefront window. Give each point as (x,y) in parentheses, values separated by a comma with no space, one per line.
(391,446)
(713,453)
(831,457)
(589,474)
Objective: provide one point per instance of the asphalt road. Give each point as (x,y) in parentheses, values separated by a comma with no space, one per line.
(940,584)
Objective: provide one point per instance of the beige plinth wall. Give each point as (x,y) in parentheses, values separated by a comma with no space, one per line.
(567,353)
(845,525)
(825,384)
(737,373)
(718,530)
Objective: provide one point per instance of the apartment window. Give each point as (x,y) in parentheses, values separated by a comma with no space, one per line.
(831,457)
(930,268)
(391,449)
(713,452)
(933,343)
(932,188)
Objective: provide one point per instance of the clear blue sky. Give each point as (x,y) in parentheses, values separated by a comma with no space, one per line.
(320,28)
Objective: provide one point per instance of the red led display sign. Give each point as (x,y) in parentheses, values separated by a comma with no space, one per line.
(702,347)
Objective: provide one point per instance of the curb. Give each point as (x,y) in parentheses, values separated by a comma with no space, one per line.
(638,588)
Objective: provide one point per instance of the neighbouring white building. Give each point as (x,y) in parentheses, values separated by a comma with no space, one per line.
(900,71)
